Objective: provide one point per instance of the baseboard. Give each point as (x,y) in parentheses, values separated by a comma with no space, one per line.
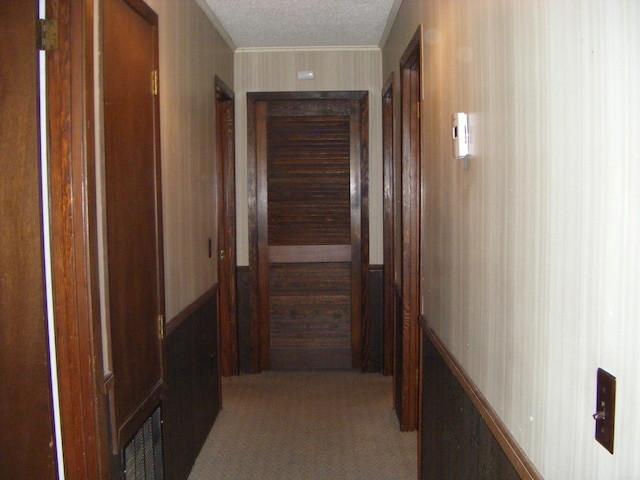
(484,447)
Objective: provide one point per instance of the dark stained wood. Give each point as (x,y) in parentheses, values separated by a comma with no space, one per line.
(225,135)
(360,287)
(133,212)
(27,446)
(309,253)
(410,67)
(389,186)
(461,436)
(192,401)
(308,182)
(376,318)
(310,308)
(74,241)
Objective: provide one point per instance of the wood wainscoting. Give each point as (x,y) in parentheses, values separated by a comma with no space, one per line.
(193,399)
(460,435)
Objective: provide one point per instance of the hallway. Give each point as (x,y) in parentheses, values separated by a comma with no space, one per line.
(311,425)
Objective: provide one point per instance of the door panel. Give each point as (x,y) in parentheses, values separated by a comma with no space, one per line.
(225,125)
(308,213)
(308,170)
(27,447)
(134,243)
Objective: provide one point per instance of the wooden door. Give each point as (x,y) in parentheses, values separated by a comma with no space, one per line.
(389,224)
(133,213)
(406,372)
(309,252)
(226,165)
(27,445)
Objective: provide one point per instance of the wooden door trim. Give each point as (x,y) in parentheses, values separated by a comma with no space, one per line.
(225,168)
(410,68)
(258,298)
(388,133)
(74,241)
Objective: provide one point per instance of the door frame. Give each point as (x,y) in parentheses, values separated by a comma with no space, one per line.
(70,103)
(259,328)
(389,225)
(226,251)
(411,118)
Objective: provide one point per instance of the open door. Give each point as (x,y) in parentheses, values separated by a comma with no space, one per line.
(27,443)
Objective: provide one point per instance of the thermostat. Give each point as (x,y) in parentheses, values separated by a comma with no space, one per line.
(460,135)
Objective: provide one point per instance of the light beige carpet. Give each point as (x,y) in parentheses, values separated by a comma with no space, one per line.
(307,425)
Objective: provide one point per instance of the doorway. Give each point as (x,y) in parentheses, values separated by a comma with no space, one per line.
(226,165)
(308,229)
(406,373)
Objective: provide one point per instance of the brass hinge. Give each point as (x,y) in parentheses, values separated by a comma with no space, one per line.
(46,34)
(418,109)
(154,82)
(161,327)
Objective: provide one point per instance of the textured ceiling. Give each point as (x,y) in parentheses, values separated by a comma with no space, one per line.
(303,23)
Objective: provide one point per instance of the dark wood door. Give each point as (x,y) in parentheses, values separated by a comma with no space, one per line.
(406,371)
(309,221)
(134,230)
(27,446)
(226,165)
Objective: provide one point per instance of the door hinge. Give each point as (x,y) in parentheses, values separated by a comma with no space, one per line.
(161,327)
(418,109)
(46,34)
(154,82)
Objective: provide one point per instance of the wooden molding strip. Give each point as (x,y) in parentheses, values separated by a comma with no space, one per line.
(518,458)
(172,324)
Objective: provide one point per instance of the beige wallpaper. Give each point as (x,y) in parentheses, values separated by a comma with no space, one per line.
(275,70)
(530,259)
(192,53)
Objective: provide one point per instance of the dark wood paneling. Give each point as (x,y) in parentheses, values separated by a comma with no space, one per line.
(376,314)
(192,400)
(460,434)
(27,448)
(244,320)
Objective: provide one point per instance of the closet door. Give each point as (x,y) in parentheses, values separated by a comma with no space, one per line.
(133,214)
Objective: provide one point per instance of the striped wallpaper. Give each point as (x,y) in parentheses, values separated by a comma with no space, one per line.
(531,263)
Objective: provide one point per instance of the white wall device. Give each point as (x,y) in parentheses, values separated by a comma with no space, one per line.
(305,75)
(460,135)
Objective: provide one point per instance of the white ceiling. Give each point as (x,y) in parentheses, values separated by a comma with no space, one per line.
(302,23)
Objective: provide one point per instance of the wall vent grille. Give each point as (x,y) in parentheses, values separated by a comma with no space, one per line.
(142,457)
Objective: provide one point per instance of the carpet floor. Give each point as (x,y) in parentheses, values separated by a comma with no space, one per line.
(307,425)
